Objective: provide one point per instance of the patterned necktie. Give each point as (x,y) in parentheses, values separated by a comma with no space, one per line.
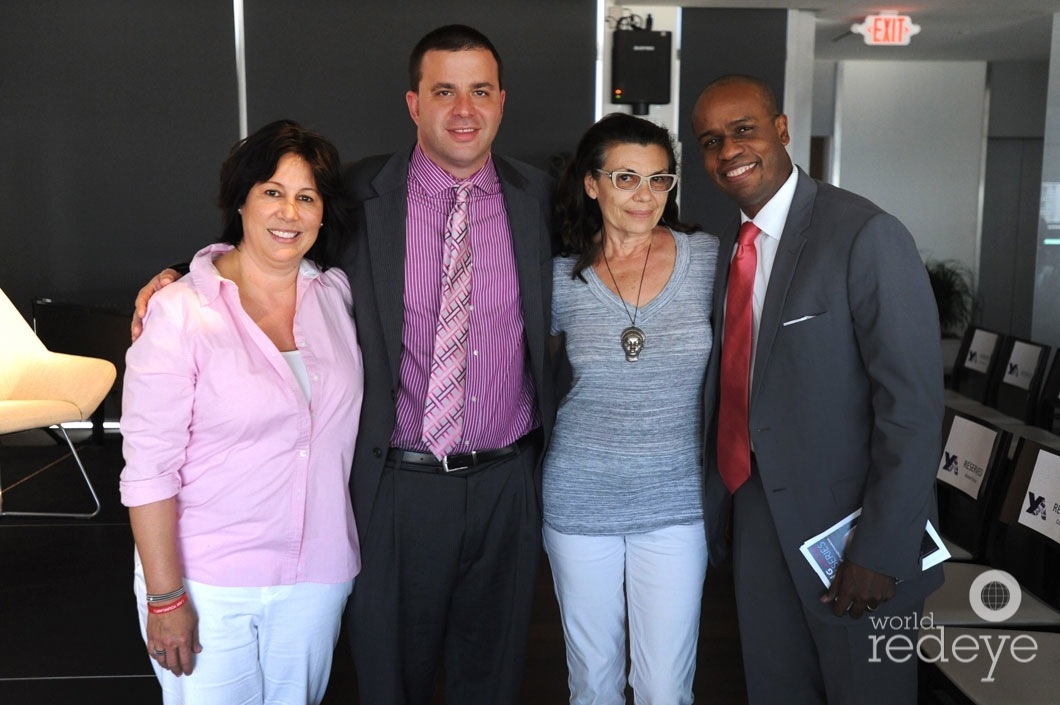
(443,412)
(734,445)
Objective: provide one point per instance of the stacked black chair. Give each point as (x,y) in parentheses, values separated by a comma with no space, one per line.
(975,371)
(1049,402)
(1021,371)
(1015,619)
(970,482)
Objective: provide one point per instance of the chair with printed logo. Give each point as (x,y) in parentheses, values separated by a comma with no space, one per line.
(1009,650)
(1032,558)
(1022,366)
(975,370)
(1049,400)
(969,483)
(1029,556)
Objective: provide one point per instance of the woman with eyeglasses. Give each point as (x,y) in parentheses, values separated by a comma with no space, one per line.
(622,483)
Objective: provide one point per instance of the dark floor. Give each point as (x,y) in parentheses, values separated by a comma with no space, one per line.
(68,630)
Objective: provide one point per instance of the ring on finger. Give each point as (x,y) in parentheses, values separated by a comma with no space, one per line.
(159,652)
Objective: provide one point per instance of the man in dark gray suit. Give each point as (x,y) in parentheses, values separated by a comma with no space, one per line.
(450,547)
(843,412)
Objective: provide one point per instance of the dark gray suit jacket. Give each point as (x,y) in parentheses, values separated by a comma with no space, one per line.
(846,400)
(375,264)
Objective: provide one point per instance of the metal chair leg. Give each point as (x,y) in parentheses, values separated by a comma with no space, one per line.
(70,515)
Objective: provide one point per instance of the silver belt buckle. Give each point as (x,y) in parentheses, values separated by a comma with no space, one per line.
(446,468)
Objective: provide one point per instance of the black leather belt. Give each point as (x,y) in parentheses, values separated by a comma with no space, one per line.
(425,462)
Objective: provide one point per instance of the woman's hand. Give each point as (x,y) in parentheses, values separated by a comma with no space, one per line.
(172,624)
(173,639)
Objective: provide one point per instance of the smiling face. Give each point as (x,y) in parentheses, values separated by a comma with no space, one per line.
(627,213)
(743,143)
(457,108)
(282,215)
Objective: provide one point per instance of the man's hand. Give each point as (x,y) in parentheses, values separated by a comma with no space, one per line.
(162,279)
(856,589)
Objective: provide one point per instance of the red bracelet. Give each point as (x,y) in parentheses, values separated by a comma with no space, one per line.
(181,601)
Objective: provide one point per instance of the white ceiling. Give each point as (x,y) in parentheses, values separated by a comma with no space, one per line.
(950,30)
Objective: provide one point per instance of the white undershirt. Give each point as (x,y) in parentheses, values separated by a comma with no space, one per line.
(297,365)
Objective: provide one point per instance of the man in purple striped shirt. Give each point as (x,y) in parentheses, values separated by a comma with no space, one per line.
(450,546)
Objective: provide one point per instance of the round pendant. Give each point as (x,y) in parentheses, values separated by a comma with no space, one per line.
(632,343)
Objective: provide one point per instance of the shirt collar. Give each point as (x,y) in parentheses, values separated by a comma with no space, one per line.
(770,220)
(433,180)
(208,280)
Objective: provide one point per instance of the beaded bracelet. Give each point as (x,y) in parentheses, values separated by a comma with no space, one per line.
(154,609)
(168,596)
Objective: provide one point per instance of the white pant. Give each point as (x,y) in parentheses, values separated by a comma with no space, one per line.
(660,575)
(260,645)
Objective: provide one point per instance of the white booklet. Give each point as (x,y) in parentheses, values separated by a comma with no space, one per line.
(825,550)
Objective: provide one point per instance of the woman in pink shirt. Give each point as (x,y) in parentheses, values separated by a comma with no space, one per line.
(241,405)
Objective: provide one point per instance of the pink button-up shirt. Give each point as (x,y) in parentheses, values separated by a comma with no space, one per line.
(213,415)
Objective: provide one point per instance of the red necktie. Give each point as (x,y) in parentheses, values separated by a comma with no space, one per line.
(734,444)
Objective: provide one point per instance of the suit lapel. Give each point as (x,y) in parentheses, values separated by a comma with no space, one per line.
(726,243)
(385,219)
(792,241)
(524,221)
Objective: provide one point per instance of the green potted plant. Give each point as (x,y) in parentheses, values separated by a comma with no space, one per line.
(951,281)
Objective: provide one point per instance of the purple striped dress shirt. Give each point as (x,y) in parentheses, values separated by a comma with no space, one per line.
(500,391)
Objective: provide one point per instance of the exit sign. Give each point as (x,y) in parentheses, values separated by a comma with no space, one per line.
(886,29)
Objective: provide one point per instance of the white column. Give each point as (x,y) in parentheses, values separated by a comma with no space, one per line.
(798,84)
(1045,325)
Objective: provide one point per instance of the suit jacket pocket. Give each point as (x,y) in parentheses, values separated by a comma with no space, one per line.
(804,318)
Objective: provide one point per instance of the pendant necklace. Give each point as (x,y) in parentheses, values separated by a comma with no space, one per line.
(632,337)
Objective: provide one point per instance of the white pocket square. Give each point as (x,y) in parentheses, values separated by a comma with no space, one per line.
(793,321)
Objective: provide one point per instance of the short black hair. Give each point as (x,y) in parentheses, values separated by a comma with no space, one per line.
(451,37)
(769,97)
(253,160)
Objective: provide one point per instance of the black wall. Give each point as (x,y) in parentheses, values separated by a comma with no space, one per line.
(114,118)
(116,114)
(714,43)
(349,73)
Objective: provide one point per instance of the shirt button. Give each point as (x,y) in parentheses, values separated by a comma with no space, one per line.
(474,398)
(474,352)
(303,453)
